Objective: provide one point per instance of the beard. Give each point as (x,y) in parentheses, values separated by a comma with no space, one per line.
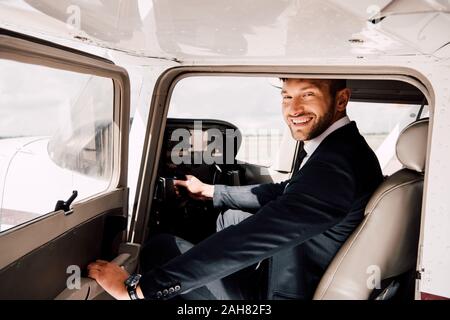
(322,124)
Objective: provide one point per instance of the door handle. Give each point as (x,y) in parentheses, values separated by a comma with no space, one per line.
(65,205)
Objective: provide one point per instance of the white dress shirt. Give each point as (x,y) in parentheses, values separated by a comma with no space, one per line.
(311,145)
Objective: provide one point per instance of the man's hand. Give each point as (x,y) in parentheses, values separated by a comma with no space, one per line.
(197,189)
(110,277)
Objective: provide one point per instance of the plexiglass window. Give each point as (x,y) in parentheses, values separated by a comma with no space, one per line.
(55,137)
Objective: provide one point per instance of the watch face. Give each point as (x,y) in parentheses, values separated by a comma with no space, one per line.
(133,280)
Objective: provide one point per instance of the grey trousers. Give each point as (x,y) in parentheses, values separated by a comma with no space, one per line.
(237,286)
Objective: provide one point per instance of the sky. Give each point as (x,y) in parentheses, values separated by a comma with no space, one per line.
(37,101)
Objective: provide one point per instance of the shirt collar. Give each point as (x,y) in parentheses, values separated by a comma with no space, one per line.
(311,145)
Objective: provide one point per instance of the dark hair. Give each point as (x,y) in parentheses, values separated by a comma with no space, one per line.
(335,85)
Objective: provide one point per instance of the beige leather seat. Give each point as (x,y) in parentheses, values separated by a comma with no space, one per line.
(384,245)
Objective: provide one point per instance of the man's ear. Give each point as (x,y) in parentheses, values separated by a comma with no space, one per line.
(342,98)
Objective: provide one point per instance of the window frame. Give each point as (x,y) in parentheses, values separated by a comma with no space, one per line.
(31,235)
(167,83)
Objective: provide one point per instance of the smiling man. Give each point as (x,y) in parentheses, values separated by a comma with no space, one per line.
(306,106)
(297,225)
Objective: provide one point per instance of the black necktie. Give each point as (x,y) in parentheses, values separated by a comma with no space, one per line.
(301,155)
(298,161)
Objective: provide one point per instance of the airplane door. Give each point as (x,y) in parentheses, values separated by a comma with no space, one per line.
(63,169)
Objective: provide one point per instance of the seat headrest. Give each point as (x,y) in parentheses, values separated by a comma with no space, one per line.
(412,145)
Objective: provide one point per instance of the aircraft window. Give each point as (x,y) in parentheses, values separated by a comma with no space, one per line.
(253,105)
(381,124)
(55,137)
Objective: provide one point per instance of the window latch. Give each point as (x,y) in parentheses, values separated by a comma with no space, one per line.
(65,205)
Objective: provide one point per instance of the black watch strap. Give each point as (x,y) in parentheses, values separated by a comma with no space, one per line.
(131,284)
(133,294)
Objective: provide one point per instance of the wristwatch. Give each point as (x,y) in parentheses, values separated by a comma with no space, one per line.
(131,285)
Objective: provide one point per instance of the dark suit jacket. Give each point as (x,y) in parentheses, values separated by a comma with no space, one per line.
(300,224)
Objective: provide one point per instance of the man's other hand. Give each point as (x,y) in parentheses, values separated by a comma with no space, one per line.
(196,189)
(110,277)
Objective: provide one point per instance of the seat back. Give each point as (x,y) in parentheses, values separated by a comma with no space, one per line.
(385,244)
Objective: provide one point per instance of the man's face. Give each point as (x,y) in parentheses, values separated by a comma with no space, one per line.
(308,107)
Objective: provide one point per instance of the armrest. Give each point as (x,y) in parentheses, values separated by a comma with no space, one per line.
(90,290)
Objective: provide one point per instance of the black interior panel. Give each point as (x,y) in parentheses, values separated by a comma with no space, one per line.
(385,91)
(41,274)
